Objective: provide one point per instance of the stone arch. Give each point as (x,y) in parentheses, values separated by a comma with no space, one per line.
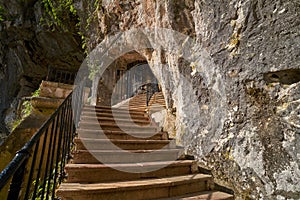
(162,48)
(124,78)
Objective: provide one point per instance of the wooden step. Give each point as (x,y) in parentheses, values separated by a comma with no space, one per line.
(137,190)
(161,102)
(123,156)
(115,115)
(106,144)
(114,127)
(107,134)
(93,173)
(140,109)
(134,109)
(134,101)
(137,162)
(110,110)
(102,119)
(119,111)
(207,195)
(133,105)
(156,103)
(157,98)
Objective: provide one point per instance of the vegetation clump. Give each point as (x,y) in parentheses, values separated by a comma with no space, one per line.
(58,13)
(26,110)
(2,13)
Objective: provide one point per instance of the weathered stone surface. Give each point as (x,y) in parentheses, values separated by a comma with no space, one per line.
(55,90)
(240,117)
(28,46)
(15,141)
(45,103)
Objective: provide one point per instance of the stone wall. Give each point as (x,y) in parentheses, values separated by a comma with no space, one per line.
(240,118)
(30,42)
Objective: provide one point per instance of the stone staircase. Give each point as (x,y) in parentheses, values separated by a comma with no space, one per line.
(121,155)
(138,102)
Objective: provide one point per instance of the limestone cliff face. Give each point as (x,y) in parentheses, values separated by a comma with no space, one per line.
(240,114)
(30,43)
(241,117)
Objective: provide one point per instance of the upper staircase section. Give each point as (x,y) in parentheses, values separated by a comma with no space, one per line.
(139,102)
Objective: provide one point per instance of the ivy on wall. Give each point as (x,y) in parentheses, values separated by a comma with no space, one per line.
(2,12)
(60,12)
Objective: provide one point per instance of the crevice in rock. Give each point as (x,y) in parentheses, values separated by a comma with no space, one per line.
(288,76)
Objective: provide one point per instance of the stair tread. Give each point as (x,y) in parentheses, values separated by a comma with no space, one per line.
(112,131)
(113,124)
(134,109)
(96,173)
(123,112)
(137,144)
(125,165)
(121,141)
(169,177)
(143,183)
(118,134)
(125,156)
(108,151)
(120,114)
(105,108)
(115,119)
(211,195)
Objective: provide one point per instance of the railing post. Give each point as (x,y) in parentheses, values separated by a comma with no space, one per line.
(150,90)
(17,180)
(147,95)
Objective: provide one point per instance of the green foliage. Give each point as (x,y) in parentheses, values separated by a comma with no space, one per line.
(59,11)
(27,107)
(36,93)
(15,123)
(93,68)
(26,110)
(2,12)
(49,184)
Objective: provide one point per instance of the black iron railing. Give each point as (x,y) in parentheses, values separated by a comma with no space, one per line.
(61,75)
(38,168)
(151,88)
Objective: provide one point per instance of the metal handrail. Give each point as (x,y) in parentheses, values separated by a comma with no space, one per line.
(61,75)
(150,91)
(45,154)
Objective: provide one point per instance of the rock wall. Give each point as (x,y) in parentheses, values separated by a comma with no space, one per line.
(240,117)
(30,42)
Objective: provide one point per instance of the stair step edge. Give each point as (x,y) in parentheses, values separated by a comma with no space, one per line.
(158,163)
(135,184)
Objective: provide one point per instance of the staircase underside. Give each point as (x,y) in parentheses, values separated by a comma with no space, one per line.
(121,155)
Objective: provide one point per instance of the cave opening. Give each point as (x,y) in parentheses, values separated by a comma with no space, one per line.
(126,77)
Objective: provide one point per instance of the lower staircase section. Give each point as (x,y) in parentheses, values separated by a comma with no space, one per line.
(121,155)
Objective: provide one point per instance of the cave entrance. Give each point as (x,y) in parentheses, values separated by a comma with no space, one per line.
(128,76)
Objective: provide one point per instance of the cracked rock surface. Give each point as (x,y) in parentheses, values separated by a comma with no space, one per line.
(235,103)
